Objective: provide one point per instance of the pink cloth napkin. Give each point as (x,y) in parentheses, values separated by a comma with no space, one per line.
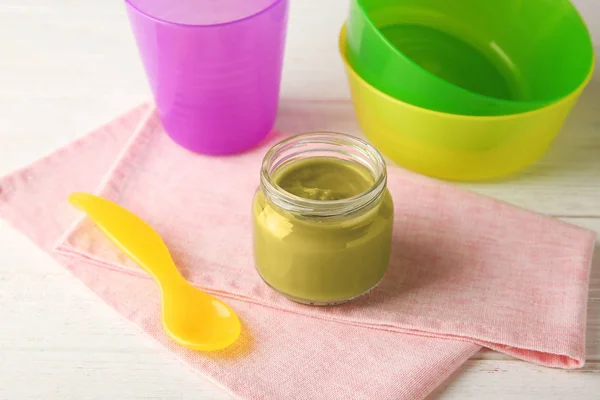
(464,267)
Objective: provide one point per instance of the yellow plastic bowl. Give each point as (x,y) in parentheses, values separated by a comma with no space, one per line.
(455,147)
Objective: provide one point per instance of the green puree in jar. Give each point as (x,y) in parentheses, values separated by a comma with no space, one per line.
(323,259)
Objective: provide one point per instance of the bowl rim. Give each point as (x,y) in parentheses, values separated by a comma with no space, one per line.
(555,104)
(465,92)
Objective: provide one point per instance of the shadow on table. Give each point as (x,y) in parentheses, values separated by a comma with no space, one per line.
(580,132)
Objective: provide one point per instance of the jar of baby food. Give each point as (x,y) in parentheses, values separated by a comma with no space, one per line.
(322,218)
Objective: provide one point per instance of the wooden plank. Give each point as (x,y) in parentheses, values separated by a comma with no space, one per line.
(515,380)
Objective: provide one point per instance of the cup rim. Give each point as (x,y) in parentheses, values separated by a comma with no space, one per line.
(555,104)
(273,4)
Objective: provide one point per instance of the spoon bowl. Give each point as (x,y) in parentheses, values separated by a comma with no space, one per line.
(196,320)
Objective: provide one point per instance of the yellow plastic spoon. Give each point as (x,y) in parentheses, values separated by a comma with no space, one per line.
(190,317)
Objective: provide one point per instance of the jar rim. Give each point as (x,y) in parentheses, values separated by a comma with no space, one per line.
(323,208)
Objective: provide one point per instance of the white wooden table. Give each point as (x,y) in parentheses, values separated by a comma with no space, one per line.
(67,66)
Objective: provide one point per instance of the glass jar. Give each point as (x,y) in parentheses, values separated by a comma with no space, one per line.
(322,245)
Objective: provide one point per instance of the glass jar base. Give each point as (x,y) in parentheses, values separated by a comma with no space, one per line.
(320,303)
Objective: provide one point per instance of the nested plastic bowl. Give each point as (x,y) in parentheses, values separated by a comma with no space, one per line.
(470,57)
(454,147)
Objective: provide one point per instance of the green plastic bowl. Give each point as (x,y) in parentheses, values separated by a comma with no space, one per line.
(470,57)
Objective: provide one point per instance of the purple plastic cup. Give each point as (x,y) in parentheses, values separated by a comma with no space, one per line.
(214,68)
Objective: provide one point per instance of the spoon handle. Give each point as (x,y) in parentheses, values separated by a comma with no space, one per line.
(131,235)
